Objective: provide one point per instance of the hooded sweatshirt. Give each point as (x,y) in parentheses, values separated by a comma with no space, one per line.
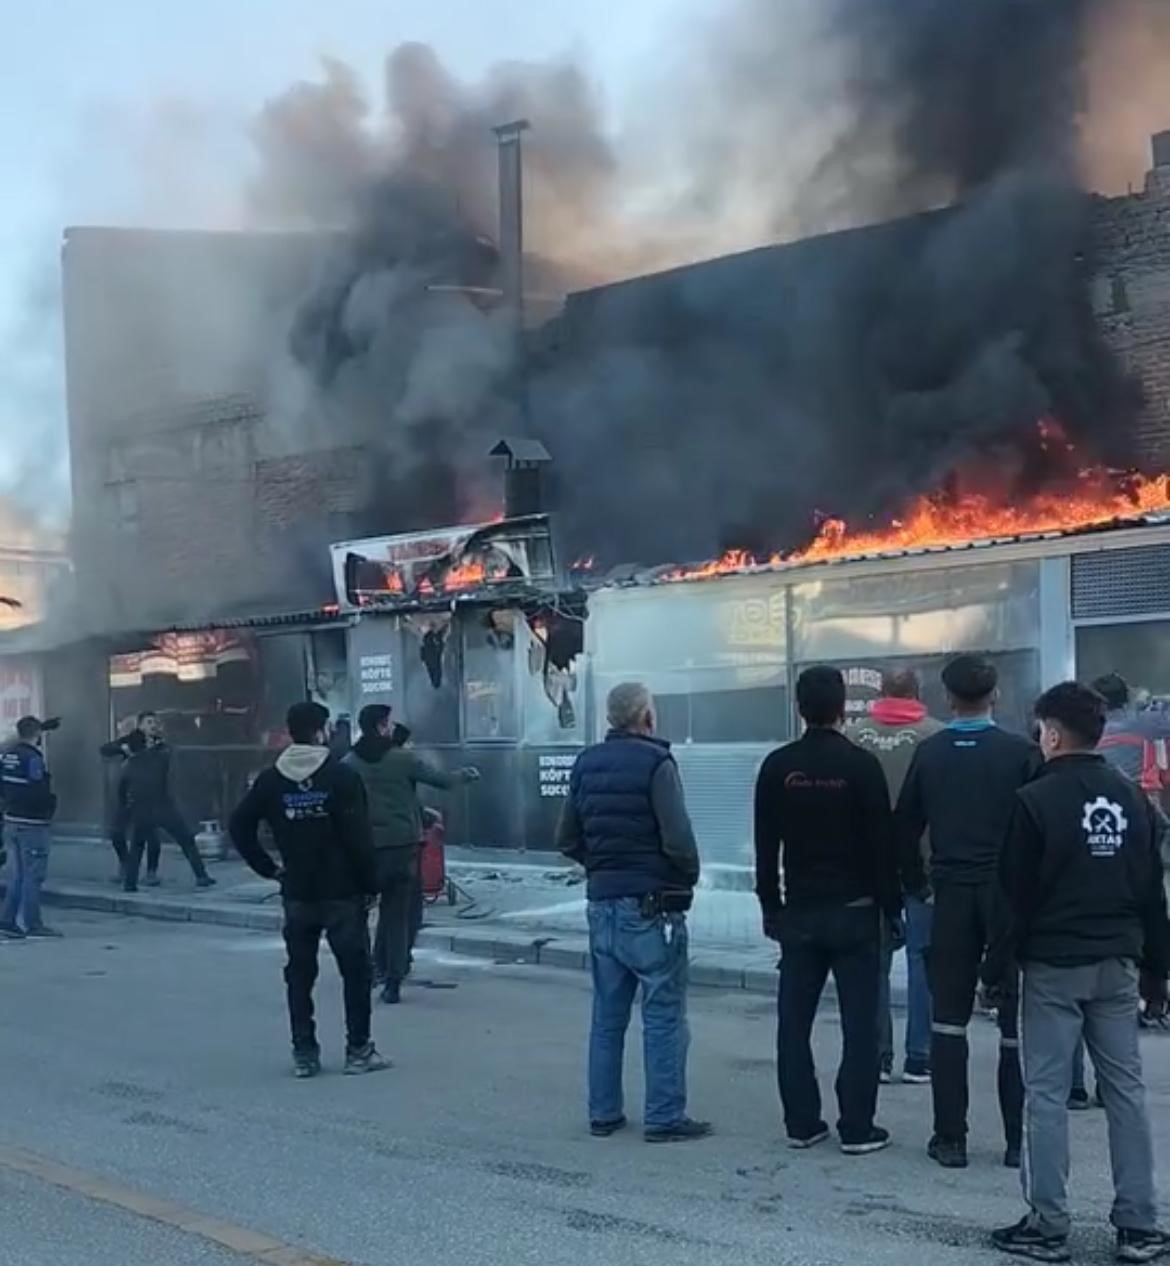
(892,731)
(391,776)
(316,810)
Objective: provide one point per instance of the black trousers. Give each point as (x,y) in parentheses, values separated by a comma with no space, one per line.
(843,941)
(964,923)
(398,881)
(344,926)
(168,819)
(121,829)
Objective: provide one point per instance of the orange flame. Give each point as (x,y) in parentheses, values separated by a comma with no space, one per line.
(1095,497)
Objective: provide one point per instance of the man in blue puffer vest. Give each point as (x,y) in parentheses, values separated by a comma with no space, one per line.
(626,822)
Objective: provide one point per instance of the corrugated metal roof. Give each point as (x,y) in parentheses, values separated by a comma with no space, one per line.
(675,573)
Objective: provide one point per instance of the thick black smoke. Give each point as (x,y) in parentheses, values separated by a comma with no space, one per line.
(728,403)
(725,404)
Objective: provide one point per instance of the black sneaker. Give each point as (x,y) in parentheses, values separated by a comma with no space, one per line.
(152,880)
(605,1129)
(365,1060)
(886,1071)
(1025,1240)
(306,1064)
(949,1153)
(1011,1156)
(391,993)
(875,1141)
(916,1072)
(802,1142)
(1079,1101)
(129,887)
(1141,1246)
(204,881)
(10,932)
(45,933)
(680,1132)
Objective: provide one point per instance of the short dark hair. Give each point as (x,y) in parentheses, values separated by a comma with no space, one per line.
(149,712)
(306,720)
(372,716)
(970,678)
(820,695)
(28,728)
(1114,689)
(901,683)
(1077,709)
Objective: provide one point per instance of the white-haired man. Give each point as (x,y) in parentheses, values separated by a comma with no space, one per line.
(626,822)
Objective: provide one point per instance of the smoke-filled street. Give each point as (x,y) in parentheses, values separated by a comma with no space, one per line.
(155,1057)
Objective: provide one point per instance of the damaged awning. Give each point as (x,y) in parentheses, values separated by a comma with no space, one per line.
(419,566)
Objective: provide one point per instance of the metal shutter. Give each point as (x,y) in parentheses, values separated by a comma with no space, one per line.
(1121,582)
(720,782)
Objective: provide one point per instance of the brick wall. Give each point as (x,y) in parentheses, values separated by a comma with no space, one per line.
(1131,296)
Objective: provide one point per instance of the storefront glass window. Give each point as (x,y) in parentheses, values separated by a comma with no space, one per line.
(489,674)
(918,620)
(1139,652)
(713,655)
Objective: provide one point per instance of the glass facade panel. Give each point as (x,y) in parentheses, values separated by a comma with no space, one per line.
(713,655)
(1139,652)
(489,675)
(900,612)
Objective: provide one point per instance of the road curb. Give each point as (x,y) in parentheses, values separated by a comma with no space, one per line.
(709,968)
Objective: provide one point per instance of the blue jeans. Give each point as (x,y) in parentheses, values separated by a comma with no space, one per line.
(628,950)
(28,862)
(919,922)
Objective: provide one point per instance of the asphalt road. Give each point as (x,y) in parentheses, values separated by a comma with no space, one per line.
(155,1057)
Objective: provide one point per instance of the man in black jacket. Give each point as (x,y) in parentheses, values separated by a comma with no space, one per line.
(316,810)
(961,787)
(146,788)
(1081,874)
(823,818)
(129,742)
(29,804)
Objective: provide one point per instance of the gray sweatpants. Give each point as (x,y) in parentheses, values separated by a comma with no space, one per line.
(1057,1006)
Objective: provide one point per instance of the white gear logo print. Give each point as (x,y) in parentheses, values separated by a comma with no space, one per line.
(1104,815)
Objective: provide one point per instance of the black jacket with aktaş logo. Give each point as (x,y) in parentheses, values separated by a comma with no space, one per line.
(961,787)
(1081,869)
(316,809)
(823,819)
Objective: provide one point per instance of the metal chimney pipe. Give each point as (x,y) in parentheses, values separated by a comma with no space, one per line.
(512,216)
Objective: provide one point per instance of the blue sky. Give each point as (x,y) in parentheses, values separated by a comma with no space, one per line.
(76,71)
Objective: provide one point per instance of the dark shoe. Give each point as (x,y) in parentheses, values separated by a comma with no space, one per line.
(366,1060)
(10,932)
(306,1064)
(152,880)
(204,881)
(886,1071)
(1011,1156)
(1025,1240)
(802,1142)
(1079,1101)
(129,887)
(604,1129)
(391,993)
(680,1132)
(44,933)
(949,1153)
(916,1072)
(1141,1246)
(875,1141)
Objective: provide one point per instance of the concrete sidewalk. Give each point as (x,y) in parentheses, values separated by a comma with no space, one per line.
(511,908)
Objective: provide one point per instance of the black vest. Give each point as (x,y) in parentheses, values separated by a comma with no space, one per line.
(610,786)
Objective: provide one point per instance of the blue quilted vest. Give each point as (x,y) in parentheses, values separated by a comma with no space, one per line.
(610,786)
